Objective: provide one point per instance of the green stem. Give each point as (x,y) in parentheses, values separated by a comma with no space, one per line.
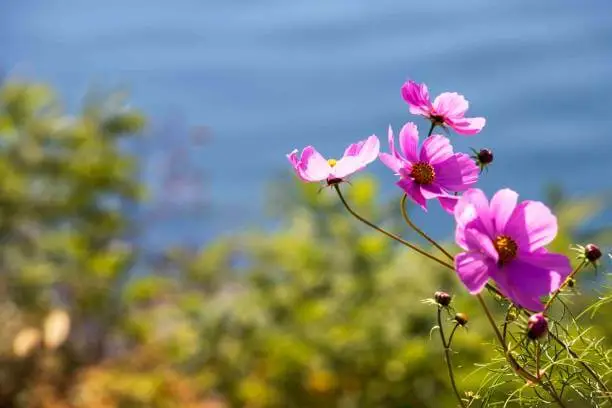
(431,129)
(419,231)
(390,234)
(509,357)
(447,356)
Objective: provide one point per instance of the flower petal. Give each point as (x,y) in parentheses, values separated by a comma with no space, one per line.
(448,203)
(467,126)
(532,225)
(391,140)
(295,163)
(430,191)
(417,96)
(450,104)
(413,191)
(391,162)
(313,166)
(478,240)
(473,270)
(457,173)
(347,166)
(502,206)
(436,149)
(528,283)
(369,150)
(408,141)
(558,266)
(481,214)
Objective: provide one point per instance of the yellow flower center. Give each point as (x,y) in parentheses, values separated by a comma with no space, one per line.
(332,162)
(506,248)
(423,173)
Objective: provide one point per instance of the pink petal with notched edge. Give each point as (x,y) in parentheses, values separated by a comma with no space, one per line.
(448,203)
(391,140)
(502,206)
(482,215)
(532,225)
(466,126)
(558,265)
(450,104)
(347,166)
(417,96)
(527,283)
(295,163)
(436,149)
(409,141)
(391,162)
(457,173)
(430,191)
(369,150)
(473,270)
(313,166)
(413,191)
(478,240)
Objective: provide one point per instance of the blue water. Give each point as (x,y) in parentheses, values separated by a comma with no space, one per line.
(270,75)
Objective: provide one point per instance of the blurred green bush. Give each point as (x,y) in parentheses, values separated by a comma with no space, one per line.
(321,312)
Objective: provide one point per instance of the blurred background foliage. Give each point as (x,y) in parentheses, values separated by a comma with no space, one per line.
(319,312)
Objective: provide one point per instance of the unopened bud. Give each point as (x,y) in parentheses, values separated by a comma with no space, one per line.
(442,298)
(592,252)
(461,319)
(537,326)
(485,156)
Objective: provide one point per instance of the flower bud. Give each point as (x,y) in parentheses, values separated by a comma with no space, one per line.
(537,326)
(461,319)
(485,156)
(592,252)
(442,298)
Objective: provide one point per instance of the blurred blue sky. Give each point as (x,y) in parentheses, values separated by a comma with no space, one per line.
(268,76)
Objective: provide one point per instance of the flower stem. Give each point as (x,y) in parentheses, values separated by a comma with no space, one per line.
(420,231)
(431,129)
(511,360)
(390,234)
(564,284)
(569,350)
(447,356)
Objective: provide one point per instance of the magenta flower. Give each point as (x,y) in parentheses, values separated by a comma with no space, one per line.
(448,109)
(505,241)
(311,166)
(434,172)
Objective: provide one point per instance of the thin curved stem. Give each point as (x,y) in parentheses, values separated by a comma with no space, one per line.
(570,277)
(518,369)
(420,231)
(506,321)
(447,356)
(390,234)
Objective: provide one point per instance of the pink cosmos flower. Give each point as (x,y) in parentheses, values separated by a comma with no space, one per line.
(448,109)
(434,172)
(505,241)
(311,166)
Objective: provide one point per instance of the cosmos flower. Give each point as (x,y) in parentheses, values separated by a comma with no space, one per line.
(447,110)
(504,240)
(311,166)
(433,172)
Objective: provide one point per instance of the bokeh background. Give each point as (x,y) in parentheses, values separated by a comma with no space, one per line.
(150,216)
